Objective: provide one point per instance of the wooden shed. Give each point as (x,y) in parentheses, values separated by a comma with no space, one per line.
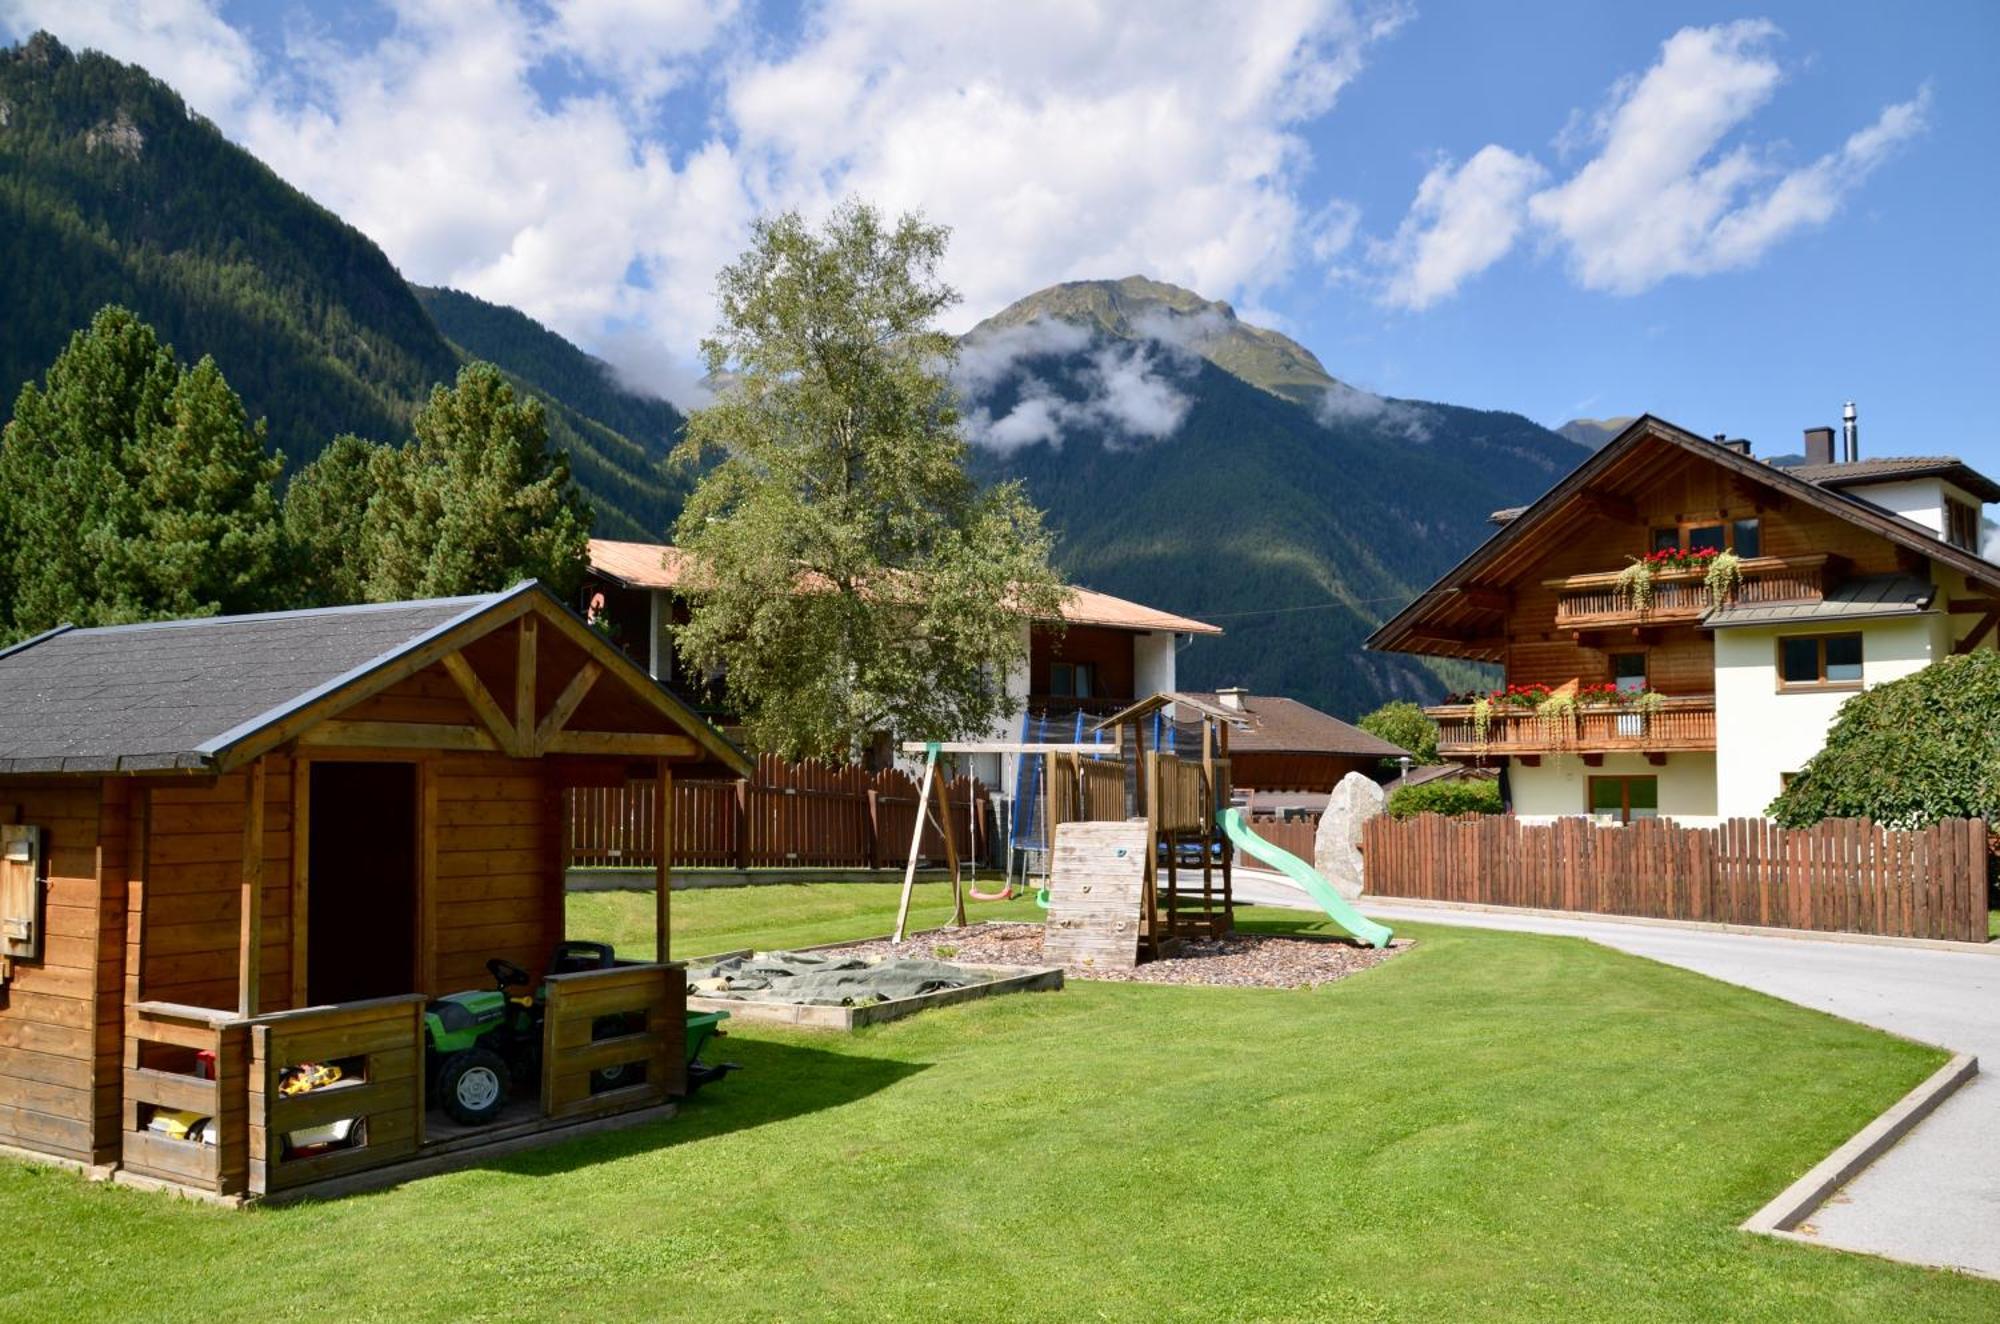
(236,845)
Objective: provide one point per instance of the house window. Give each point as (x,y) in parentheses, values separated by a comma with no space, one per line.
(1622,799)
(1819,661)
(1628,671)
(1706,535)
(1071,680)
(1667,540)
(1747,538)
(1962,524)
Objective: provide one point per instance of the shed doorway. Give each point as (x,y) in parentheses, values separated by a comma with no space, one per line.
(361,888)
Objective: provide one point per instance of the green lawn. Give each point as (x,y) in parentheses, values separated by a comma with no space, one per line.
(1491,1127)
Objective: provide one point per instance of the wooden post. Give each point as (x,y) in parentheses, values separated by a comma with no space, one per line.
(301,874)
(743,822)
(916,844)
(874,828)
(663,858)
(524,686)
(951,854)
(249,952)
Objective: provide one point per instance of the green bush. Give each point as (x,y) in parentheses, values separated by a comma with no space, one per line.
(1463,795)
(1404,725)
(1908,753)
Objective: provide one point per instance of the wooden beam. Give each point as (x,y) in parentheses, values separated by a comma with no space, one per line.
(1958,606)
(1980,630)
(524,681)
(1529,760)
(1486,597)
(427,877)
(663,859)
(301,874)
(1593,760)
(250,938)
(398,735)
(1617,509)
(634,744)
(566,705)
(1656,757)
(484,705)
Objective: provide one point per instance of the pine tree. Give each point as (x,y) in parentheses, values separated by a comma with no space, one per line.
(133,489)
(477,500)
(326,506)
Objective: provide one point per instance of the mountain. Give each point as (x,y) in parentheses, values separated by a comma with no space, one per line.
(113,191)
(1291,509)
(1140,308)
(1592,433)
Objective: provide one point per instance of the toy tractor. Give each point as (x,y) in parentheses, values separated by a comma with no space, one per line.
(480,1044)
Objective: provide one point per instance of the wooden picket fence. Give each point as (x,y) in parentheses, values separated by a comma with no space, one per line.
(788,815)
(1296,836)
(1847,875)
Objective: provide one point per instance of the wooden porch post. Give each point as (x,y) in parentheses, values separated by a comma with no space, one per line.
(663,857)
(249,954)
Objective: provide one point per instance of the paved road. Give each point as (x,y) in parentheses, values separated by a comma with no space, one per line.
(1934,1198)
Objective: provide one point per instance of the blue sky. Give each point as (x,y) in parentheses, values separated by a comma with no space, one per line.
(1735,216)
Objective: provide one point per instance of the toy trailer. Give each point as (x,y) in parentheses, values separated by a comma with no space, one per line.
(235,847)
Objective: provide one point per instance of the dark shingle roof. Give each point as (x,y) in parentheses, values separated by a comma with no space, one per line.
(1888,468)
(1275,724)
(167,693)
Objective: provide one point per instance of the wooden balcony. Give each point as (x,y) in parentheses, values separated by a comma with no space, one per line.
(1594,601)
(1684,724)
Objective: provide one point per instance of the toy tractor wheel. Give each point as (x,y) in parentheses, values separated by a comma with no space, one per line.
(474,1085)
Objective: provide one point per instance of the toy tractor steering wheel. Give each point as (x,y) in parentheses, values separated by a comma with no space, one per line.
(507,973)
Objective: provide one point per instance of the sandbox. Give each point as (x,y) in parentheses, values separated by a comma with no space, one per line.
(769,1006)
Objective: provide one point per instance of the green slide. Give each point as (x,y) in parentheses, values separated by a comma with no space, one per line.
(1333,903)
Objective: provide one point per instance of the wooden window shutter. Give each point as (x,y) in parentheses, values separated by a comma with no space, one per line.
(20,895)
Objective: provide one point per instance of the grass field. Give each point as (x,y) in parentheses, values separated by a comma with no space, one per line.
(1490,1127)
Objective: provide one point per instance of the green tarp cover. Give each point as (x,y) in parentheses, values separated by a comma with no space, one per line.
(813,980)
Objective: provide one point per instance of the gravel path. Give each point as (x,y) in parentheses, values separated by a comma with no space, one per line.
(1241,960)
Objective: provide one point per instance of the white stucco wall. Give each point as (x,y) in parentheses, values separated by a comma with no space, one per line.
(1560,785)
(1152,663)
(1762,732)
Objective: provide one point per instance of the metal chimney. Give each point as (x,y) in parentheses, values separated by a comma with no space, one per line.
(1850,432)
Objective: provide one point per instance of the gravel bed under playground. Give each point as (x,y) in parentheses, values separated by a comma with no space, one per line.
(1241,960)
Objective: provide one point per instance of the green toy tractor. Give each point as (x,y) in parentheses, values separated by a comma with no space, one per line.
(479,1044)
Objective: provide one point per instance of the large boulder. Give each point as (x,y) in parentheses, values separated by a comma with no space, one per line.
(1337,847)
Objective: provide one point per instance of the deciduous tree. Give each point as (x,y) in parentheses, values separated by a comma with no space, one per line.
(851,578)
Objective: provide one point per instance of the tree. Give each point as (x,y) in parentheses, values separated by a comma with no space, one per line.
(1909,752)
(851,578)
(132,488)
(477,501)
(326,506)
(1406,726)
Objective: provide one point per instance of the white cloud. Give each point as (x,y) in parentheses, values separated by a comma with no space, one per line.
(1670,190)
(1341,403)
(1061,139)
(1667,196)
(1128,395)
(1464,219)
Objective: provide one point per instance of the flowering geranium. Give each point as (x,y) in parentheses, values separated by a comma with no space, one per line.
(1674,558)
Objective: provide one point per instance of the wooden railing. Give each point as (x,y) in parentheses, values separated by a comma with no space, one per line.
(1682,724)
(1594,601)
(1843,875)
(613,1039)
(168,1048)
(378,1046)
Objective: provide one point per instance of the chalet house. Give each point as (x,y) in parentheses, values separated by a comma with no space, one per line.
(1688,698)
(1104,653)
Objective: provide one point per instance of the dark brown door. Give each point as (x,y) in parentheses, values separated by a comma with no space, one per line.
(361,890)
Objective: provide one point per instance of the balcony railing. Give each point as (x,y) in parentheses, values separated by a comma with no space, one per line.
(1595,601)
(1682,724)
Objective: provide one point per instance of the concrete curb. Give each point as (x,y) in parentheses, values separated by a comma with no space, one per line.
(1796,1202)
(1991,949)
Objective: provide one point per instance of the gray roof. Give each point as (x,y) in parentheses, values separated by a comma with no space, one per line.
(1888,468)
(167,694)
(1857,599)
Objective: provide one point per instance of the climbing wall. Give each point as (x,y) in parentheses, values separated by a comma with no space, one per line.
(1097,887)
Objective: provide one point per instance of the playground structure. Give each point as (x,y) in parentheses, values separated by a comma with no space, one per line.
(1111,776)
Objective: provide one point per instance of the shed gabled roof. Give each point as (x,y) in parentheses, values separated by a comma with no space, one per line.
(1438,620)
(1283,725)
(650,565)
(204,693)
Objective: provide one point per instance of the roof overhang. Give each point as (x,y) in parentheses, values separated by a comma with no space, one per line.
(1434,623)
